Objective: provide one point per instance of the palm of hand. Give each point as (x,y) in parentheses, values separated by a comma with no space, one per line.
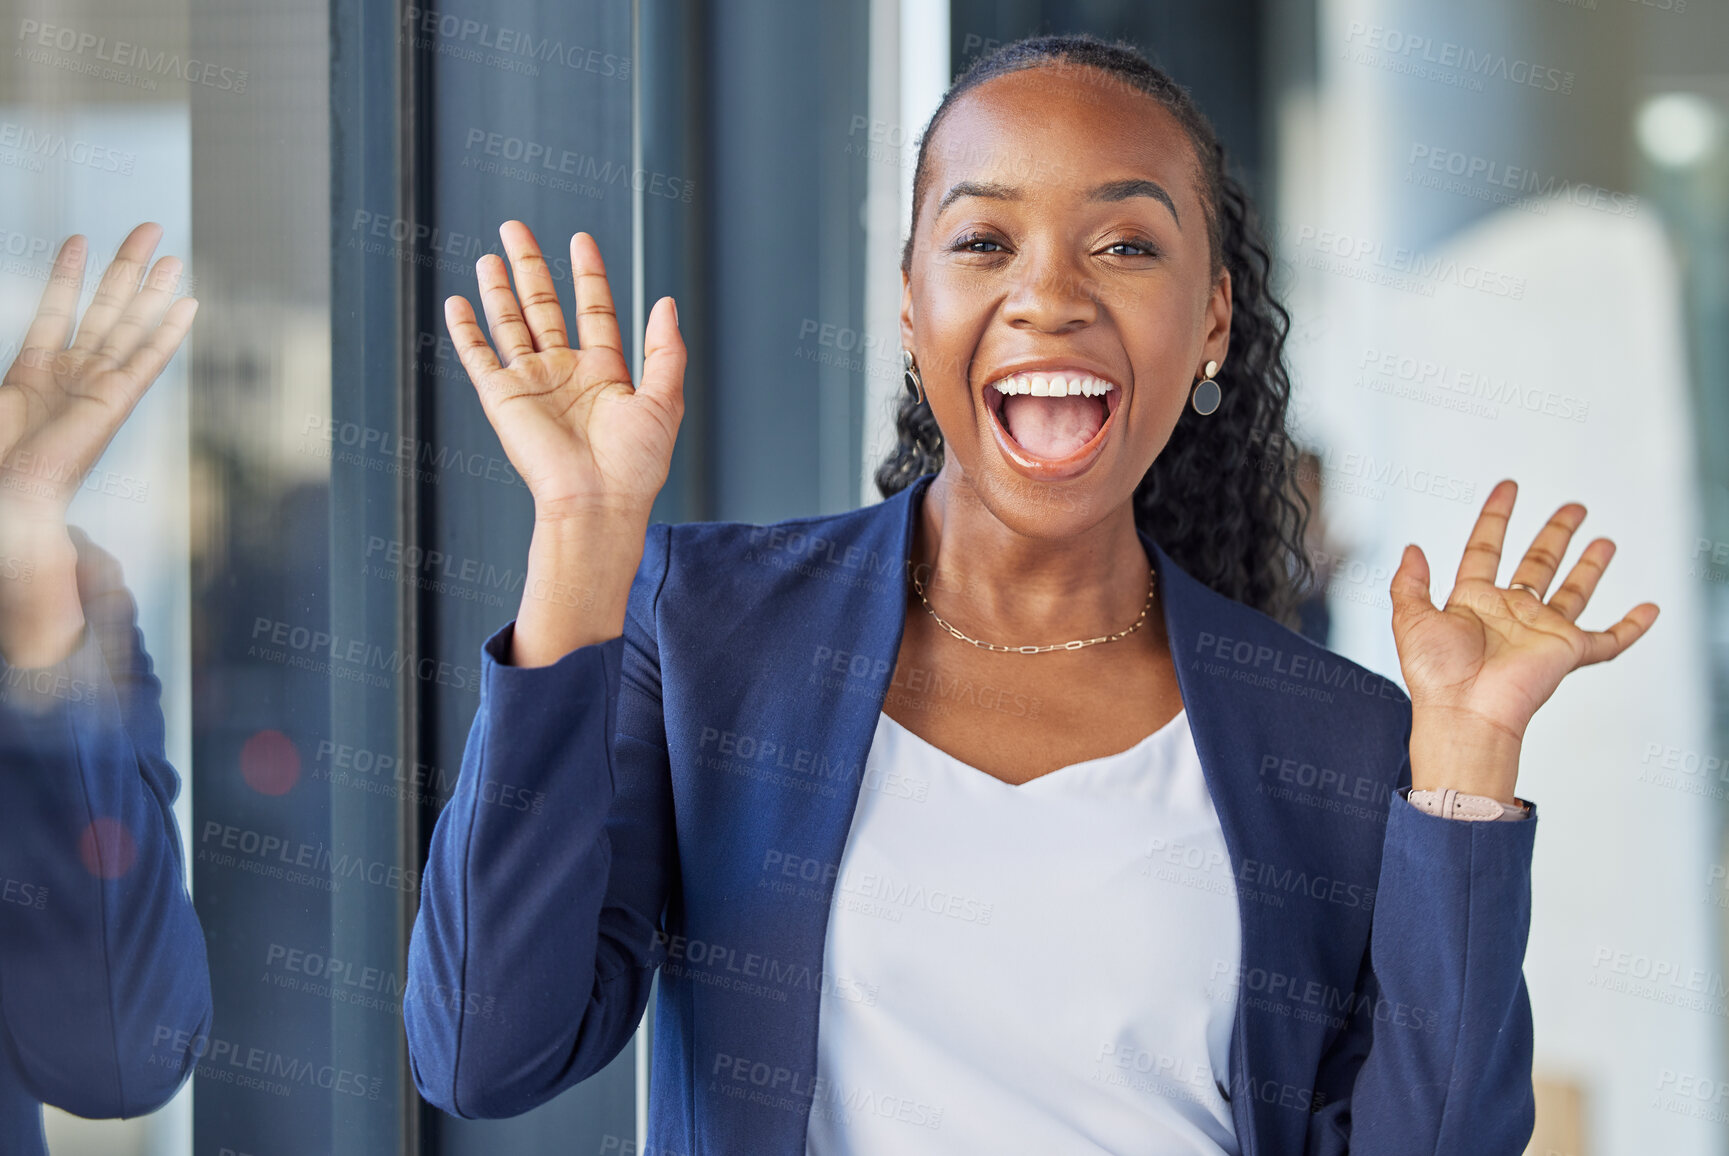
(569,419)
(1480,656)
(577,411)
(61,405)
(1492,655)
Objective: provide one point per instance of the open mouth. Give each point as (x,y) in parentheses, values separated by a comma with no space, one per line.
(1053,418)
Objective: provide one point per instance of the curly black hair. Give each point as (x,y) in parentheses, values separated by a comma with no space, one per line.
(1221,497)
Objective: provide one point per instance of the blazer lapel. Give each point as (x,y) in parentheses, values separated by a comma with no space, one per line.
(841,634)
(1224,739)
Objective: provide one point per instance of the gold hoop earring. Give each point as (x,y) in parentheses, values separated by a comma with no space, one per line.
(1207,394)
(913,381)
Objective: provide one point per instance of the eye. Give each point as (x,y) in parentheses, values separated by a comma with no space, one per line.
(967,243)
(1142,248)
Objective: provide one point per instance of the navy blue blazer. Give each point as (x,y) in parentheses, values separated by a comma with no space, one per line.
(627,808)
(101,954)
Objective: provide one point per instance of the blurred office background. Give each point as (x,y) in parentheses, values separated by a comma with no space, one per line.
(1502,227)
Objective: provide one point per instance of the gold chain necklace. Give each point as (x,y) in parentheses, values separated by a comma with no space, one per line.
(1075,645)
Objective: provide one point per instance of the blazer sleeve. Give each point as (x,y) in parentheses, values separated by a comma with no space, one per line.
(539,927)
(101,955)
(1437,1057)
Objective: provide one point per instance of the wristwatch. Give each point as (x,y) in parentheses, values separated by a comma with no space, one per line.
(1451,804)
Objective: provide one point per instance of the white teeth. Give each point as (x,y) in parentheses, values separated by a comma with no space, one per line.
(1054,385)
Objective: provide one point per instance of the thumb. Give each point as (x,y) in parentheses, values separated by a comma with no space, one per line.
(1409,589)
(663,357)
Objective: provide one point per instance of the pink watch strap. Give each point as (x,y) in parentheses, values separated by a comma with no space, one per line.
(1451,804)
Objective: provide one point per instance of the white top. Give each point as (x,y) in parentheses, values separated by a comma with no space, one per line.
(1045,968)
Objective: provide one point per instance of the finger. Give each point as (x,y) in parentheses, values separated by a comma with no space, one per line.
(664,357)
(534,287)
(503,318)
(1602,645)
(1409,589)
(94,416)
(52,325)
(1537,568)
(14,418)
(117,287)
(471,347)
(144,312)
(1482,557)
(596,319)
(1582,579)
(146,362)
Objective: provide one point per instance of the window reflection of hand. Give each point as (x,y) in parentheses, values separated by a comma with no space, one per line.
(60,406)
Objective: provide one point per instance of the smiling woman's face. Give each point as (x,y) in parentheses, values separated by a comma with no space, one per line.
(1061,235)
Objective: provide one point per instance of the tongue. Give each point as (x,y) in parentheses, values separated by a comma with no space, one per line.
(1052,427)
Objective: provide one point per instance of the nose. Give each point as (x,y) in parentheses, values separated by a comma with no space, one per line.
(1051,295)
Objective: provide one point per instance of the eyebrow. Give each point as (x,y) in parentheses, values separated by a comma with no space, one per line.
(1111,191)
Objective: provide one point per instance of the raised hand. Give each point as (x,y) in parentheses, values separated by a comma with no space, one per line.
(582,438)
(593,450)
(1479,667)
(60,406)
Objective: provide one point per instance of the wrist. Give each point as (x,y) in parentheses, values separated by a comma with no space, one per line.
(1450,751)
(41,614)
(42,635)
(600,554)
(577,588)
(589,517)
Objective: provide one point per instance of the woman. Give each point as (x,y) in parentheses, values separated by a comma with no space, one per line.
(1062,843)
